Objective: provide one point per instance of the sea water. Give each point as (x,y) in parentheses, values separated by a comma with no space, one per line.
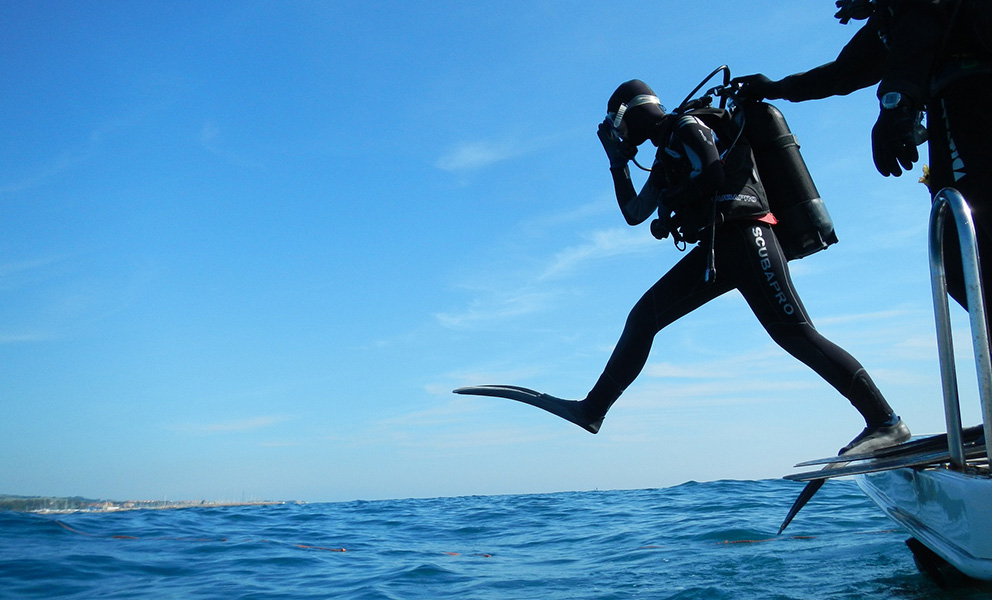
(697,540)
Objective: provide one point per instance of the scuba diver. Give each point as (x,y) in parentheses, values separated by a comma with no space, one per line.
(932,56)
(704,187)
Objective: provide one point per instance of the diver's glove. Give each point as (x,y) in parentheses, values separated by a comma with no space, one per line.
(894,139)
(618,151)
(757,87)
(854,9)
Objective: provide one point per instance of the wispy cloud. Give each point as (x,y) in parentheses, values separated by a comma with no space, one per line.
(209,138)
(280,444)
(44,173)
(517,294)
(497,305)
(599,245)
(498,371)
(721,392)
(455,424)
(455,410)
(474,155)
(25,338)
(73,157)
(594,208)
(213,141)
(760,361)
(15,275)
(13,268)
(238,426)
(871,317)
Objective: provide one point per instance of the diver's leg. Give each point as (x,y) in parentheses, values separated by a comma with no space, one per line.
(676,294)
(769,292)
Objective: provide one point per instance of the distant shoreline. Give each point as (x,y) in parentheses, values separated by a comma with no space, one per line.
(63,505)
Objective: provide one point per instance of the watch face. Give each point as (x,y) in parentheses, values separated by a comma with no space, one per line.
(891,100)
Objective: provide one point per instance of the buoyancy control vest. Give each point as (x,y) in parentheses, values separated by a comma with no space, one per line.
(740,196)
(804,226)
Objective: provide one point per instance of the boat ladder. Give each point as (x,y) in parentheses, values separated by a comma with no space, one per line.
(950,203)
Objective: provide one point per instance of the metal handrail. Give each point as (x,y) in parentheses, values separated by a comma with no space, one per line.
(949,199)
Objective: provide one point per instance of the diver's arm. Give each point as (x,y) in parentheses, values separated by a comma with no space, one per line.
(636,207)
(915,40)
(859,65)
(701,185)
(707,175)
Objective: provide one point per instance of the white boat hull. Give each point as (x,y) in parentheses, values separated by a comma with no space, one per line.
(948,511)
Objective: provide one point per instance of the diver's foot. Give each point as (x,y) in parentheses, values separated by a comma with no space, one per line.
(573,411)
(890,433)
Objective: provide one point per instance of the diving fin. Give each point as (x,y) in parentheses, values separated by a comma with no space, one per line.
(897,433)
(970,436)
(812,487)
(570,410)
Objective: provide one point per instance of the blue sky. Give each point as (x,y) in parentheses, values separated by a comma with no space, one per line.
(247,249)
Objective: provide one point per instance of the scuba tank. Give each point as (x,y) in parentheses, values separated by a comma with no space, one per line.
(804,225)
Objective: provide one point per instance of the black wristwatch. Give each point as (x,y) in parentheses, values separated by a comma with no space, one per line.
(890,100)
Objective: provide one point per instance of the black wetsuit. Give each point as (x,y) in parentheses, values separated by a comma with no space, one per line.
(937,54)
(688,174)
